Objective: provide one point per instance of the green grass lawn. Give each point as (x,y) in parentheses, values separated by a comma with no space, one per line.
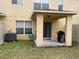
(26,50)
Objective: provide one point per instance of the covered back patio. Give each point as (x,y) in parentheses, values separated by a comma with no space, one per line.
(45,29)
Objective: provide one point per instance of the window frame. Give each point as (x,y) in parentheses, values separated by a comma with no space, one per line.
(18,2)
(41,2)
(24,27)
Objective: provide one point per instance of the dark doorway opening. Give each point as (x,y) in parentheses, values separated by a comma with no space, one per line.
(47,30)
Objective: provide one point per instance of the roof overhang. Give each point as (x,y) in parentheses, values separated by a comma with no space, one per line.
(2,14)
(54,14)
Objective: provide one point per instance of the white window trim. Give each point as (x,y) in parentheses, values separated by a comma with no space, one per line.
(60,2)
(41,1)
(24,28)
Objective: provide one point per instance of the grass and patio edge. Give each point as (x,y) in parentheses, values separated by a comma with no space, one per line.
(26,50)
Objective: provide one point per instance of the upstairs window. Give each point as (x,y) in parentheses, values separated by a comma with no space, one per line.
(17,1)
(41,4)
(37,4)
(45,4)
(60,5)
(14,1)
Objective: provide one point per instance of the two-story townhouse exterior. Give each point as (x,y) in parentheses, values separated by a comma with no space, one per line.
(43,17)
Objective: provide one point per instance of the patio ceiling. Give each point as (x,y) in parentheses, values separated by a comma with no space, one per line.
(2,14)
(53,14)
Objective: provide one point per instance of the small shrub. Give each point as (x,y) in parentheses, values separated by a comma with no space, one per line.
(32,36)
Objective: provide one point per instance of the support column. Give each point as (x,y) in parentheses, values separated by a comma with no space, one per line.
(39,30)
(68,34)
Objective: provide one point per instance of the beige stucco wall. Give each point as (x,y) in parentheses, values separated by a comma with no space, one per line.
(72,5)
(15,12)
(53,4)
(24,12)
(57,25)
